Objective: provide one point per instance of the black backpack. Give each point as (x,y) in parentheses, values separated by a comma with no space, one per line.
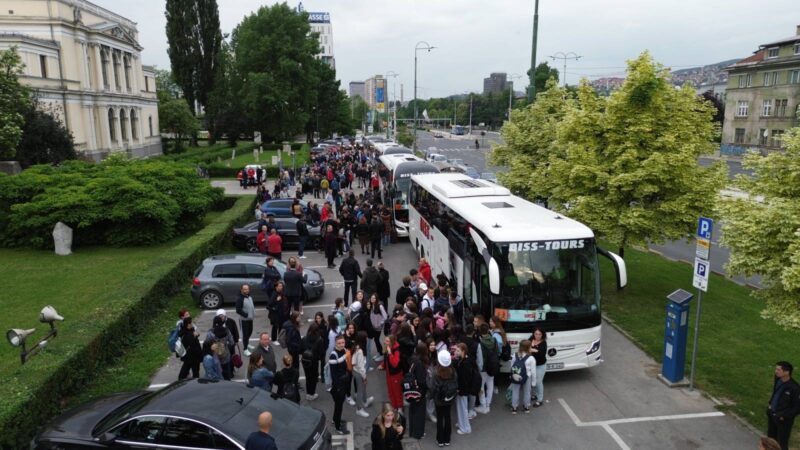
(410,386)
(291,391)
(491,360)
(519,373)
(447,391)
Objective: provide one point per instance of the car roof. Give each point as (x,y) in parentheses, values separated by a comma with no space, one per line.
(243,258)
(233,407)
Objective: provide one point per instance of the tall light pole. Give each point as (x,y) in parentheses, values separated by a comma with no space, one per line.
(393,74)
(532,71)
(565,56)
(470,113)
(511,93)
(417,48)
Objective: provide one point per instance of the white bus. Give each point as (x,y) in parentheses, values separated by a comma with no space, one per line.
(510,258)
(401,167)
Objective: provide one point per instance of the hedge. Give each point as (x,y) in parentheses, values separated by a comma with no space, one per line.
(210,154)
(34,392)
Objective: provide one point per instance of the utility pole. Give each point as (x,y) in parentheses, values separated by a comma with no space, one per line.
(532,73)
(427,47)
(565,56)
(511,93)
(470,114)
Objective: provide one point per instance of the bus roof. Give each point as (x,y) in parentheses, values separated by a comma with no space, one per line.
(405,169)
(501,216)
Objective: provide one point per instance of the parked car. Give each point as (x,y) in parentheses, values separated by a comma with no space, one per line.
(436,157)
(281,207)
(456,161)
(470,171)
(489,176)
(245,237)
(219,279)
(196,414)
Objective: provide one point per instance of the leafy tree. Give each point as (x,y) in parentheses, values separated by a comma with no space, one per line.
(544,73)
(224,114)
(529,140)
(332,107)
(195,41)
(719,106)
(275,50)
(166,88)
(176,118)
(626,165)
(763,230)
(12,95)
(359,108)
(45,140)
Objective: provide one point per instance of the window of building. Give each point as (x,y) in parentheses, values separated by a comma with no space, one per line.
(738,136)
(122,124)
(741,108)
(770,78)
(104,67)
(776,140)
(112,125)
(794,76)
(134,125)
(43,65)
(780,107)
(127,63)
(766,108)
(773,52)
(763,135)
(115,60)
(797,48)
(150,124)
(147,84)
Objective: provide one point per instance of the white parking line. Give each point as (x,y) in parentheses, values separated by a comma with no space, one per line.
(606,424)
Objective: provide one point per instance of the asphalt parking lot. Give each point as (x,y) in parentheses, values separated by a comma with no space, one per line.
(617,405)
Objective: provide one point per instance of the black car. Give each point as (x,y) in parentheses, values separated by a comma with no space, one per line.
(245,237)
(281,207)
(196,414)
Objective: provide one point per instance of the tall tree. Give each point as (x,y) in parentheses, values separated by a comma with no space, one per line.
(175,117)
(224,114)
(275,50)
(12,95)
(763,230)
(544,73)
(626,165)
(331,103)
(45,140)
(195,41)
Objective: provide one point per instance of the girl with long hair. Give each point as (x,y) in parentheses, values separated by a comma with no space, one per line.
(387,431)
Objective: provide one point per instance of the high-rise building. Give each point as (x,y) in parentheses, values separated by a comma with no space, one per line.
(358,89)
(84,63)
(375,88)
(762,97)
(321,23)
(497,82)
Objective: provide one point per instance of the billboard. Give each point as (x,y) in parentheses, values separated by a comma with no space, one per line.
(380,94)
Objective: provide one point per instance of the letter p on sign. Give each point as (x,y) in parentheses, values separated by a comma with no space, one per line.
(704,228)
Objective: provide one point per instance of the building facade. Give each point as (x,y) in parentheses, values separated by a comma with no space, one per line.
(321,24)
(762,97)
(83,63)
(374,88)
(496,83)
(358,89)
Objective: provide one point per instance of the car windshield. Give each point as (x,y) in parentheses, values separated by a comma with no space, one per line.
(124,411)
(547,281)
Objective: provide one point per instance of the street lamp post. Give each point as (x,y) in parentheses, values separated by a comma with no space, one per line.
(417,48)
(532,72)
(393,74)
(511,93)
(565,56)
(470,114)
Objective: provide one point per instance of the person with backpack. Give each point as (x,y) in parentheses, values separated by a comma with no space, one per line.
(523,375)
(359,361)
(539,351)
(443,387)
(292,340)
(192,352)
(491,366)
(394,371)
(219,334)
(313,346)
(466,372)
(287,380)
(416,379)
(377,317)
(175,334)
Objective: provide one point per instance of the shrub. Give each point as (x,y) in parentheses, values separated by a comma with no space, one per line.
(33,393)
(117,202)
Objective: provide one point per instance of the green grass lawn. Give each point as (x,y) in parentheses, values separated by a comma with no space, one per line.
(72,284)
(244,158)
(737,349)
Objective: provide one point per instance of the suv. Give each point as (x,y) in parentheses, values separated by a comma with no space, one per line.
(219,279)
(245,237)
(281,207)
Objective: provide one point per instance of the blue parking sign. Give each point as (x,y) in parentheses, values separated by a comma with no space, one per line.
(704,228)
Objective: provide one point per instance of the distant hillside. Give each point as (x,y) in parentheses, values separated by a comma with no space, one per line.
(710,67)
(709,74)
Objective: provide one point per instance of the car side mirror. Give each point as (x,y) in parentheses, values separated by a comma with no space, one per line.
(106,438)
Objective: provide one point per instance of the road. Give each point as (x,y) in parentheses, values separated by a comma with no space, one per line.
(462,147)
(617,405)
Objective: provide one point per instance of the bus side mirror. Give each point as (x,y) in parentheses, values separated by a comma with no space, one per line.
(494,277)
(619,267)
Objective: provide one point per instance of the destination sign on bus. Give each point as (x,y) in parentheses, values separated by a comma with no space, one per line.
(546,245)
(520,315)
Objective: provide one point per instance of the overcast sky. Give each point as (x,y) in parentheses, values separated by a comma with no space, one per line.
(476,37)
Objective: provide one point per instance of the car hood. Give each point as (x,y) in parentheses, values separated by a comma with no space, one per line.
(312,275)
(79,422)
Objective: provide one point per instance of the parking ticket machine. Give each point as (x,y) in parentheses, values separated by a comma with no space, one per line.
(675,334)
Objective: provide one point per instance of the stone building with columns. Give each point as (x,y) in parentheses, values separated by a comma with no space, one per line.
(83,63)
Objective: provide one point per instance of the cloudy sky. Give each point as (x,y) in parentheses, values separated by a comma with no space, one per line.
(476,37)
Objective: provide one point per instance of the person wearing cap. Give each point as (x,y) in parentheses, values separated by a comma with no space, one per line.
(230,324)
(444,380)
(218,335)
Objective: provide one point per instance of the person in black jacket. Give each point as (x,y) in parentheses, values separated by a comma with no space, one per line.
(293,338)
(384,289)
(279,309)
(350,270)
(416,409)
(405,291)
(387,430)
(375,235)
(230,324)
(287,380)
(313,347)
(302,236)
(784,404)
(247,313)
(370,280)
(194,353)
(293,285)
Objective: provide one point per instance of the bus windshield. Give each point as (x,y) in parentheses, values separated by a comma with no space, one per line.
(400,200)
(547,281)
